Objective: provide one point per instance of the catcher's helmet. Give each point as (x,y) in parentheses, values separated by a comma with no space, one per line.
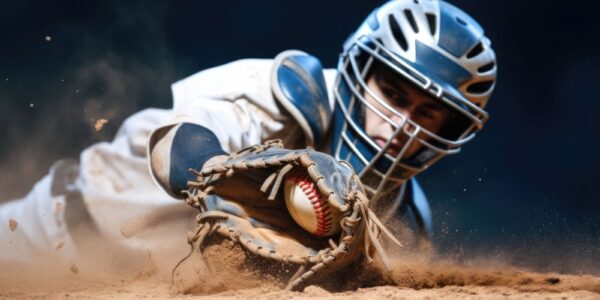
(437,49)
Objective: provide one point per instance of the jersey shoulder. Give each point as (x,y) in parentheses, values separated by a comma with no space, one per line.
(302,86)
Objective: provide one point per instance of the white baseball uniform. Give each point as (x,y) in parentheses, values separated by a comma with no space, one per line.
(111,195)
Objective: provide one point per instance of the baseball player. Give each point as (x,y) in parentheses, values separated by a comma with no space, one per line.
(410,88)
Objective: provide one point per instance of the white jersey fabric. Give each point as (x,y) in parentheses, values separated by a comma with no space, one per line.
(113,189)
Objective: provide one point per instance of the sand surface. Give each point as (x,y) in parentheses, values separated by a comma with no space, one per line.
(492,285)
(416,278)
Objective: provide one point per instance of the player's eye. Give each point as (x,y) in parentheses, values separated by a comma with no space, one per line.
(389,93)
(426,113)
(393,97)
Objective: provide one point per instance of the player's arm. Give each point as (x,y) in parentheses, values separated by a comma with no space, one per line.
(196,133)
(208,120)
(232,107)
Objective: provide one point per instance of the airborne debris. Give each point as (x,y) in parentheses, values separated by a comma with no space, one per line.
(74,269)
(553,280)
(12,224)
(48,38)
(100,124)
(59,246)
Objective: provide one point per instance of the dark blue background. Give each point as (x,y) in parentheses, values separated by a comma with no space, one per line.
(524,191)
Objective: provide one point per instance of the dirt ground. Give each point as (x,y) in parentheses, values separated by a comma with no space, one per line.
(457,284)
(413,278)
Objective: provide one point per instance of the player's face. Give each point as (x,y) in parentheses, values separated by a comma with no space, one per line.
(410,102)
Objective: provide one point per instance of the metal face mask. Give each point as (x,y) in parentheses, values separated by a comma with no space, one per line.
(426,46)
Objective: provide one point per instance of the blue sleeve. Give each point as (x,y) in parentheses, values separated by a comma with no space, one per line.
(192,146)
(176,149)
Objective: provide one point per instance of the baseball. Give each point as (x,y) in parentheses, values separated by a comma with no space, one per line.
(308,208)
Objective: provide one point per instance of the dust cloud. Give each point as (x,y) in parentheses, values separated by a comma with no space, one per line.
(51,113)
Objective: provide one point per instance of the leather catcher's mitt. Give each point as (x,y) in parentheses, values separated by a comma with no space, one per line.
(241,198)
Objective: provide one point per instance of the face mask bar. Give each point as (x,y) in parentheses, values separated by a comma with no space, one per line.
(380,180)
(473,112)
(387,182)
(405,121)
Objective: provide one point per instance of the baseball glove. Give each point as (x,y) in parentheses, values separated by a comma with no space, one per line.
(242,199)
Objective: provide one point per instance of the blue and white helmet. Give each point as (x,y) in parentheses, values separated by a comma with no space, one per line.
(437,48)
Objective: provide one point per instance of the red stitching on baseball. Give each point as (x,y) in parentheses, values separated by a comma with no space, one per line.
(319,204)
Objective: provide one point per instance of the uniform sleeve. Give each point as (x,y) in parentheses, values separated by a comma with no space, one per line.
(217,111)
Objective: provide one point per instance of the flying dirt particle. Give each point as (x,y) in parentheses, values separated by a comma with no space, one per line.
(74,269)
(12,224)
(100,124)
(31,105)
(552,280)
(48,38)
(59,246)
